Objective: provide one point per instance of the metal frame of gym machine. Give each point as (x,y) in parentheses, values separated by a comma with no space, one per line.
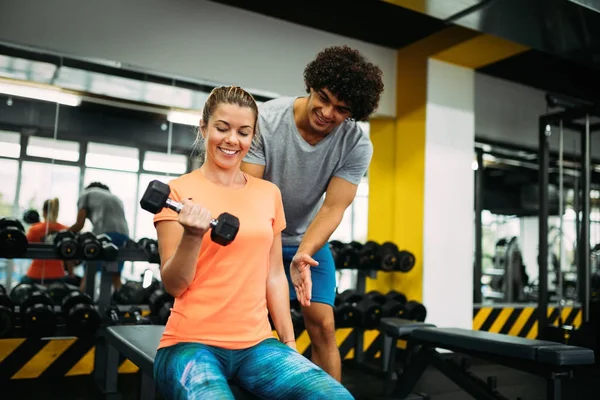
(566,119)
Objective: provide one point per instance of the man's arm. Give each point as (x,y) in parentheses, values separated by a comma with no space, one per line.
(339,195)
(256,170)
(81,216)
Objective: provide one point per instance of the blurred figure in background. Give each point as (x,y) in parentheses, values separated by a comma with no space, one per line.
(46,271)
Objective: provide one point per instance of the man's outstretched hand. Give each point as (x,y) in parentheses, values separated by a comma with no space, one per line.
(301,277)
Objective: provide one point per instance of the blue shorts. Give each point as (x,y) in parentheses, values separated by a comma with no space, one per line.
(323,275)
(118,240)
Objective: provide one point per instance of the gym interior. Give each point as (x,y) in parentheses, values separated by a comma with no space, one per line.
(467,265)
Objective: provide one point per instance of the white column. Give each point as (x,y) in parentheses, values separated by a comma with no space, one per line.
(449,190)
(529,243)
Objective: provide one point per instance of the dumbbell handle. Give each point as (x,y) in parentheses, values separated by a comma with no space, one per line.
(176,206)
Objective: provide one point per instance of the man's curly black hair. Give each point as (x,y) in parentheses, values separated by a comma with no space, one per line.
(349,77)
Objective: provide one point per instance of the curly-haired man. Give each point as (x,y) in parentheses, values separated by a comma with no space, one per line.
(310,146)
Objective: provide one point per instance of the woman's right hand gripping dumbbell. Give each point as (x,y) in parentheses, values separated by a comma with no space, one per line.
(194,218)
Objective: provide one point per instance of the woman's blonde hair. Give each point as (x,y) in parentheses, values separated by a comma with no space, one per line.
(50,209)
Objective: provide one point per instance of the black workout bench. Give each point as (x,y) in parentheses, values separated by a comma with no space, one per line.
(139,344)
(550,360)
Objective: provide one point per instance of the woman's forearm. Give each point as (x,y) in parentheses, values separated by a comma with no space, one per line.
(178,272)
(278,303)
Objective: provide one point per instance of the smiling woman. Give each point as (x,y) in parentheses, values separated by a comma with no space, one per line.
(222,291)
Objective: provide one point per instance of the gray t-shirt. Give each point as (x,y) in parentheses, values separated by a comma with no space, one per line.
(105,211)
(303,171)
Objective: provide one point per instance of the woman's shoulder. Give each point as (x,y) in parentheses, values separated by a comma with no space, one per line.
(262,185)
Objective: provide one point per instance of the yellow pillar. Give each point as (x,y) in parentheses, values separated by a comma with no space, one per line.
(396,175)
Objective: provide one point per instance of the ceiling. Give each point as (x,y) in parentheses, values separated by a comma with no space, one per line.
(564,35)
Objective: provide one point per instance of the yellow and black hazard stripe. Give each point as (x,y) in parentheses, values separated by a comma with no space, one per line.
(50,359)
(522,321)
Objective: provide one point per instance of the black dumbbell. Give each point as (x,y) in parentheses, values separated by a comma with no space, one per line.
(36,312)
(135,315)
(7,313)
(368,256)
(110,251)
(13,241)
(369,313)
(89,246)
(347,255)
(406,261)
(65,244)
(151,247)
(114,315)
(345,314)
(130,293)
(391,306)
(388,254)
(58,291)
(81,317)
(415,311)
(31,217)
(156,197)
(160,303)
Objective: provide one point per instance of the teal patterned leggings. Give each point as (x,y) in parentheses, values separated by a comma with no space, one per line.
(269,370)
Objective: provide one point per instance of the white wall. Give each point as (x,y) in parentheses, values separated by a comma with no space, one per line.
(189,38)
(449,190)
(508,112)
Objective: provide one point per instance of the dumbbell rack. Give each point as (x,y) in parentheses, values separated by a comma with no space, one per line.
(359,333)
(42,251)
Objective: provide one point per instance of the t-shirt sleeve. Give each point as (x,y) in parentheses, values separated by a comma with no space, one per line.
(256,153)
(166,214)
(356,164)
(279,222)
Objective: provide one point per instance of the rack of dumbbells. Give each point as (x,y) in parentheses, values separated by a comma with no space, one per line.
(362,311)
(59,310)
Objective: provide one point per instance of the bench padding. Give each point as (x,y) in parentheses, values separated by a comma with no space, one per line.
(504,345)
(398,327)
(138,343)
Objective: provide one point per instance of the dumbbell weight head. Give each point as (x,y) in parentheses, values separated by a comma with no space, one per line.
(151,247)
(345,314)
(396,296)
(388,253)
(157,299)
(37,315)
(368,256)
(90,246)
(65,244)
(369,313)
(31,217)
(393,309)
(156,197)
(21,292)
(377,297)
(335,246)
(110,251)
(406,261)
(58,291)
(129,293)
(224,229)
(81,317)
(7,315)
(13,241)
(415,311)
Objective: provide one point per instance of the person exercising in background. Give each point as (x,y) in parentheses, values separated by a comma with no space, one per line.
(46,271)
(107,215)
(312,146)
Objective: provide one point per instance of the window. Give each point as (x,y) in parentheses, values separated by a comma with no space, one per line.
(167,163)
(10,144)
(9,171)
(112,157)
(53,148)
(42,181)
(354,227)
(122,185)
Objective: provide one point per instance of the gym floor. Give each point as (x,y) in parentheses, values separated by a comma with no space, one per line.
(511,384)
